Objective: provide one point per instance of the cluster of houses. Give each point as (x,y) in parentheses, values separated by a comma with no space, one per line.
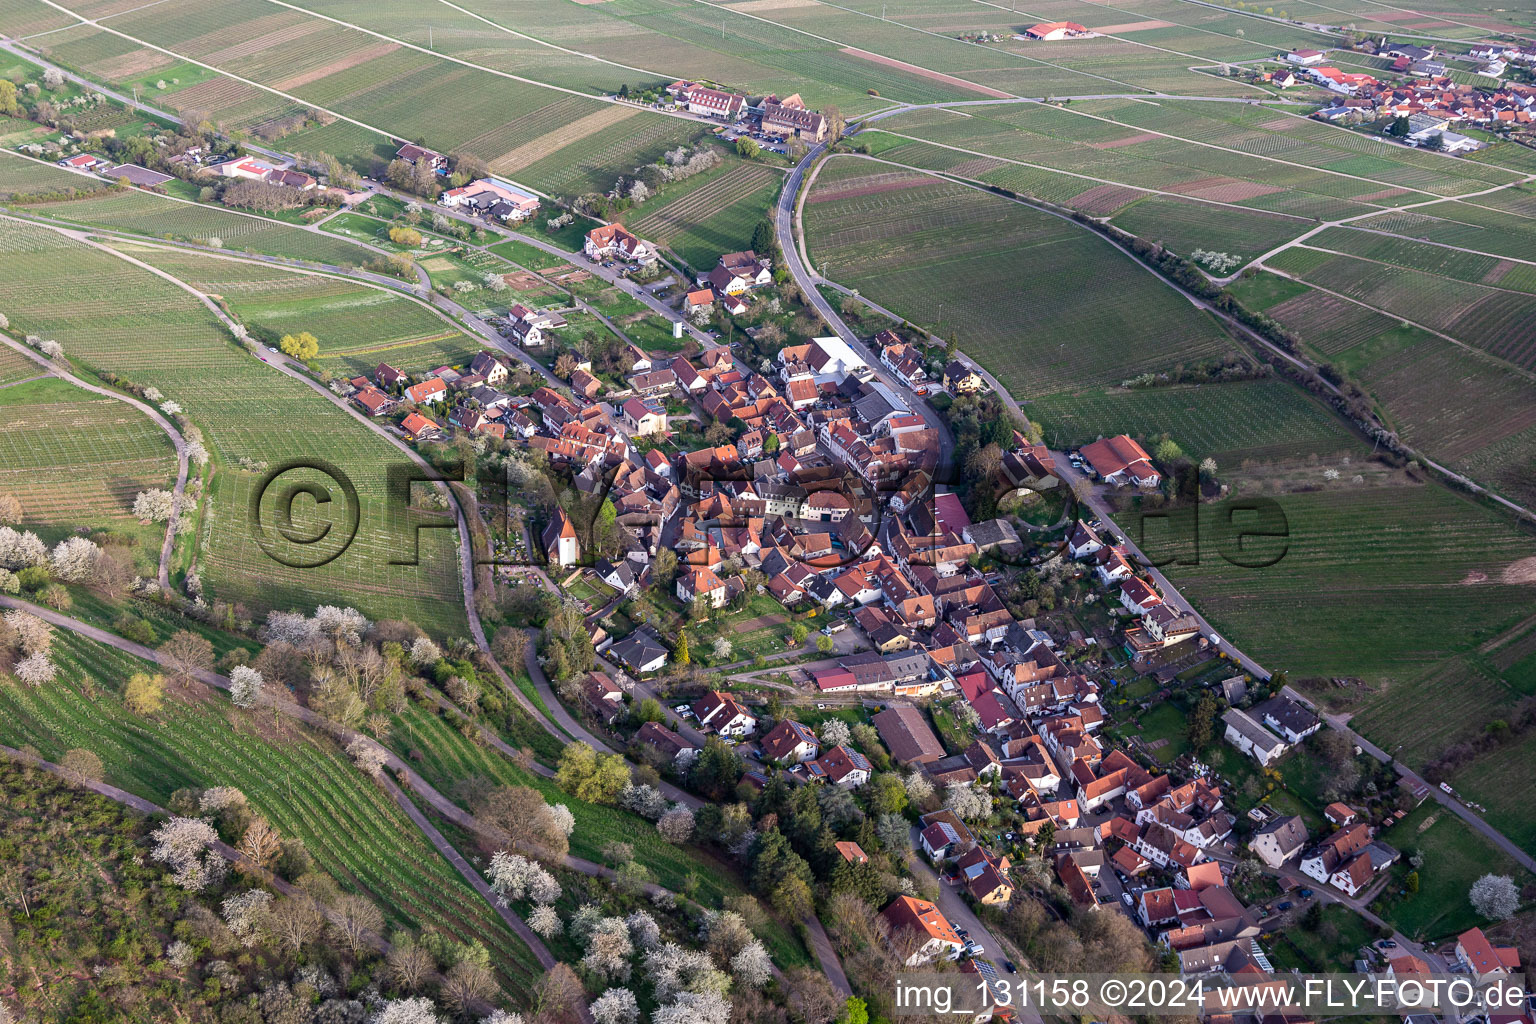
(908,362)
(252,169)
(782,118)
(1428,97)
(1349,859)
(473,400)
(1266,731)
(736,274)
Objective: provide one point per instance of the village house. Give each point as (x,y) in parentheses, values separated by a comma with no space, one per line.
(643,419)
(700,582)
(1120,460)
(841,766)
(1247,735)
(614,241)
(1290,719)
(1482,959)
(428,391)
(737,272)
(410,153)
(789,118)
(419,428)
(492,197)
(603,697)
(671,745)
(640,652)
(920,923)
(708,102)
(789,741)
(718,712)
(1279,841)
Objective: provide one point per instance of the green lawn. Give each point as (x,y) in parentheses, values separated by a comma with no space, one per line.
(1003,277)
(1454,858)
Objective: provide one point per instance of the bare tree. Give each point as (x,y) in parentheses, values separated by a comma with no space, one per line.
(466,983)
(260,845)
(409,964)
(356,920)
(186,654)
(296,922)
(81,765)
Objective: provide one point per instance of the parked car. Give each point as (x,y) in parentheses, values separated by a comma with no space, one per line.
(1388,944)
(1287,905)
(1305,894)
(1125,898)
(1008,966)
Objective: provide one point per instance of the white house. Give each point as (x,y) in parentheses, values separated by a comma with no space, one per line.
(1252,738)
(1279,841)
(720,713)
(1306,58)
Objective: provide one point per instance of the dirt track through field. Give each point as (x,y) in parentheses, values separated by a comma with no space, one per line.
(129,65)
(933,76)
(864,190)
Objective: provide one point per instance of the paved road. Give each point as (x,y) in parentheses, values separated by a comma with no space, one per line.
(785,217)
(177,441)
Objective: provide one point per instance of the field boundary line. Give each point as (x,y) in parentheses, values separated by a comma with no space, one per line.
(178,442)
(1410,322)
(1085,177)
(1419,270)
(1439,245)
(1224,149)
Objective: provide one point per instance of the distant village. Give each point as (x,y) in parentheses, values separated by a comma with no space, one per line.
(1423,94)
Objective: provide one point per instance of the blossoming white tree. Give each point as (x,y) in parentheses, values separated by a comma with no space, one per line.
(245,685)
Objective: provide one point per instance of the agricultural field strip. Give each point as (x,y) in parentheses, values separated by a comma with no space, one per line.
(417,587)
(1438,245)
(1402,266)
(1200,61)
(1240,153)
(1036,60)
(543,42)
(378,35)
(1483,353)
(1354,15)
(1086,177)
(303,271)
(233,77)
(841,44)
